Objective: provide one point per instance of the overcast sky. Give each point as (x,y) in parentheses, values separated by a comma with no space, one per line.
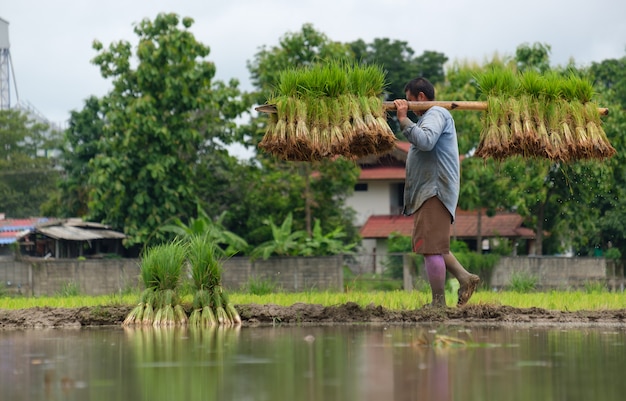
(50,40)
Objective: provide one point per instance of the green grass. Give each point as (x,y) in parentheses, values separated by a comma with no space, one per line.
(396,300)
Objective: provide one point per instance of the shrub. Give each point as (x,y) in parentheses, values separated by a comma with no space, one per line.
(594,287)
(261,286)
(523,282)
(69,289)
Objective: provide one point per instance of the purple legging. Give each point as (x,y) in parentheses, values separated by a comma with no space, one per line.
(436,271)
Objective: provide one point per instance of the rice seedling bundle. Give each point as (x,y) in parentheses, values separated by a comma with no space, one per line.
(328,109)
(534,115)
(211,305)
(159,304)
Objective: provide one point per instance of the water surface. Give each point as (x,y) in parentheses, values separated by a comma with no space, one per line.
(357,362)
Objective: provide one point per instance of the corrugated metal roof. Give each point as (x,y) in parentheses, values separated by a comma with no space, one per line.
(71,233)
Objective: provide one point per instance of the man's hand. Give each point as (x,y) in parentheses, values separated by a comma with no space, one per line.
(402,108)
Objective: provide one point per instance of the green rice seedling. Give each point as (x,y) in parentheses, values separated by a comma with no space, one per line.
(576,87)
(220,313)
(366,80)
(490,144)
(302,129)
(368,117)
(514,107)
(328,97)
(206,272)
(335,79)
(498,85)
(581,137)
(208,318)
(338,142)
(600,143)
(556,146)
(497,81)
(325,141)
(161,267)
(530,141)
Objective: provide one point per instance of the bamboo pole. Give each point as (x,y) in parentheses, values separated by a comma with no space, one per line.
(423,106)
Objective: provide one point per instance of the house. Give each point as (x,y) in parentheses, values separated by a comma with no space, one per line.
(378,200)
(11,229)
(380,188)
(59,238)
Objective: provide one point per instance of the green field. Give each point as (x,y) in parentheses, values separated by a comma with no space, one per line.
(395,300)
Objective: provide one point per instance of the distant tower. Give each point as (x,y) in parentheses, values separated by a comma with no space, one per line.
(5,66)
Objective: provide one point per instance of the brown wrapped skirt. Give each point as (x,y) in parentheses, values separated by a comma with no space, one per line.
(431,228)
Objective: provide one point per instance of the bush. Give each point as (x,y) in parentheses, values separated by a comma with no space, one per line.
(595,287)
(397,246)
(370,282)
(477,263)
(261,286)
(69,289)
(523,282)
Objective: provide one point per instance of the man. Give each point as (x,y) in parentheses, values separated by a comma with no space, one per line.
(431,191)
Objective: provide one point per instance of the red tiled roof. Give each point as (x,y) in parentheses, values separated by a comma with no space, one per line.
(383,173)
(380,172)
(503,224)
(378,226)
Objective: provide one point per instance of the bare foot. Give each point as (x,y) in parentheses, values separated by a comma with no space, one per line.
(467,289)
(438,302)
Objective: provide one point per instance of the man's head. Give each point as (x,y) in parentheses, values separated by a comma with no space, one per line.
(419,90)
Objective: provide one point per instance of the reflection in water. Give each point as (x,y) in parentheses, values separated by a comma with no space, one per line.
(313,363)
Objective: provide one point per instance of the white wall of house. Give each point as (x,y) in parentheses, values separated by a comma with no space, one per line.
(375,201)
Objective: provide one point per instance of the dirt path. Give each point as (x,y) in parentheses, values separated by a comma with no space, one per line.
(253,314)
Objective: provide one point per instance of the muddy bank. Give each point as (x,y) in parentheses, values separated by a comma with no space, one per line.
(253,314)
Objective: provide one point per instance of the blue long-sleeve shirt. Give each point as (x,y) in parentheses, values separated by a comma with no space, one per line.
(432,165)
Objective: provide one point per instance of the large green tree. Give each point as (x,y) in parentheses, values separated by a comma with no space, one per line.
(610,79)
(27,167)
(163,112)
(81,143)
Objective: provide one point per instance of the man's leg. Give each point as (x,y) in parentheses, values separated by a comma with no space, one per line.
(436,272)
(467,281)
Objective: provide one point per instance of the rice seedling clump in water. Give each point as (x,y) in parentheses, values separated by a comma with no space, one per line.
(211,305)
(161,267)
(326,110)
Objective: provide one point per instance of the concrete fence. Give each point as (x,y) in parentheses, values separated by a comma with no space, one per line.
(38,277)
(558,273)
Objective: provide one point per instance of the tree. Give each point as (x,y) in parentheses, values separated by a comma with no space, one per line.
(27,168)
(610,79)
(81,145)
(535,57)
(159,117)
(400,64)
(225,242)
